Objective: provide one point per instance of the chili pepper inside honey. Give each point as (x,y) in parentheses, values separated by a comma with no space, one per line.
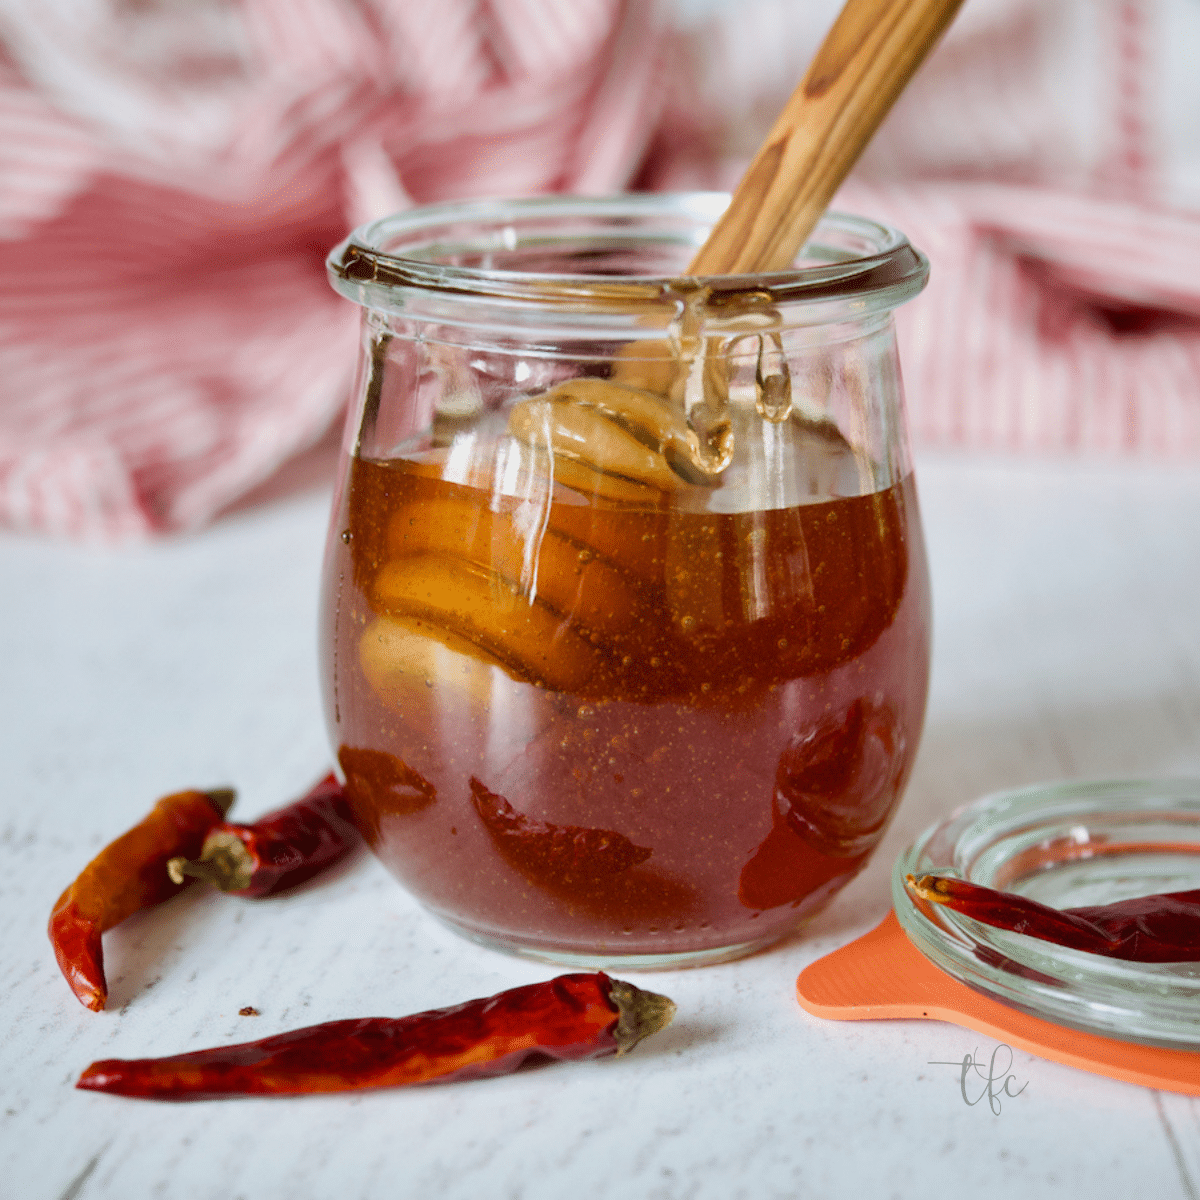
(285,848)
(571,1017)
(126,876)
(1159,928)
(556,854)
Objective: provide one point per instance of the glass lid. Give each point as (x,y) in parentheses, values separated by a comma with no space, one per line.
(1065,845)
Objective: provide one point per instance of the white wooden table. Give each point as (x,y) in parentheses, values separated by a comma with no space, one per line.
(1067,645)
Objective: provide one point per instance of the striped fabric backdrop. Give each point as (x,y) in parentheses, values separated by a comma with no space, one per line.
(1047,159)
(1053,322)
(171,177)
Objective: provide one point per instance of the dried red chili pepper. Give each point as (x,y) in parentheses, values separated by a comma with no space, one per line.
(1160,928)
(571,1017)
(835,786)
(556,854)
(837,780)
(390,783)
(598,871)
(126,876)
(281,850)
(381,786)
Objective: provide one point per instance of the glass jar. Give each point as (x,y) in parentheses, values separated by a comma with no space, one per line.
(625,617)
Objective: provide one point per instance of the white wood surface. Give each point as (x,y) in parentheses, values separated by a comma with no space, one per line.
(1067,645)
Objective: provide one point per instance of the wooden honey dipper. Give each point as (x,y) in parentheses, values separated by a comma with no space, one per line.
(862,66)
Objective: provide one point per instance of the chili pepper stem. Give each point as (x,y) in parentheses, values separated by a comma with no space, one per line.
(929,887)
(641,1013)
(224,862)
(221,798)
(180,869)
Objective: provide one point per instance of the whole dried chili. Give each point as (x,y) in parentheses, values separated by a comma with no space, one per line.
(126,876)
(1159,928)
(557,854)
(281,850)
(835,787)
(571,1017)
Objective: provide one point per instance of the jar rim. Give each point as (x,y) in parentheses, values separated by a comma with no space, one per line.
(848,258)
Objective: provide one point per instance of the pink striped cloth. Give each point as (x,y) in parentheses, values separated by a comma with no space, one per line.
(1052,322)
(1047,159)
(171,177)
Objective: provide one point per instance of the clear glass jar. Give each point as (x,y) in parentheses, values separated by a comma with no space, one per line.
(625,620)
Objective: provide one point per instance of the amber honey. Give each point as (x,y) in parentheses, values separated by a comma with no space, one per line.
(597,726)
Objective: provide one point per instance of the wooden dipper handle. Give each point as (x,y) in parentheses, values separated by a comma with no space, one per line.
(863,65)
